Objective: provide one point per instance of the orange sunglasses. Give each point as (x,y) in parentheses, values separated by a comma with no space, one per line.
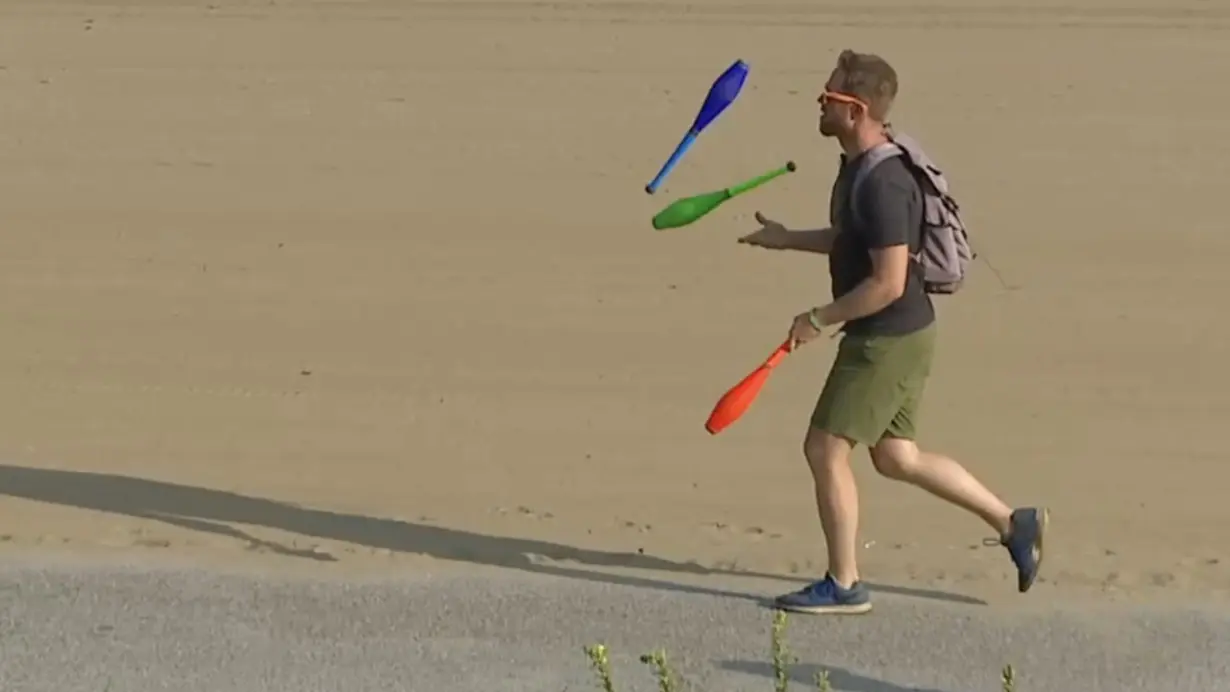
(838,97)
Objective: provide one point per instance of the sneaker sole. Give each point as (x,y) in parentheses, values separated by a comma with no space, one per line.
(1044,516)
(858,609)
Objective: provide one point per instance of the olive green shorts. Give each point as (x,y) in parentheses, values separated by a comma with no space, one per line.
(875,386)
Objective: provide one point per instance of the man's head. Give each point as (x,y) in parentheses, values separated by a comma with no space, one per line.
(857,96)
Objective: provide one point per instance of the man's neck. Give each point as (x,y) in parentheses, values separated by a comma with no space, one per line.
(863,140)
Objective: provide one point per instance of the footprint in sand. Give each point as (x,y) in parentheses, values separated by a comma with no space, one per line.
(751,533)
(805,567)
(152,543)
(635,526)
(526,512)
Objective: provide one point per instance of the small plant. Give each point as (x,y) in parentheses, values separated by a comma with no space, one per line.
(781,656)
(602,666)
(782,659)
(1008,678)
(667,680)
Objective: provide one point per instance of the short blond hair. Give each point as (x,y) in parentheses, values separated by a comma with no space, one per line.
(870,78)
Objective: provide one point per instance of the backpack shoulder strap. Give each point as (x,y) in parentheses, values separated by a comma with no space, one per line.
(870,160)
(922,163)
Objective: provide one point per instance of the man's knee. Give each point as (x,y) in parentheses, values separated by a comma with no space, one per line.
(822,448)
(896,458)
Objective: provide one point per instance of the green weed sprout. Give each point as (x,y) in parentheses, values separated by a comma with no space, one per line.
(781,656)
(601,663)
(667,680)
(1008,678)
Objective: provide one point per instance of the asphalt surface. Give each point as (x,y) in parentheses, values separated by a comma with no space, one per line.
(89,628)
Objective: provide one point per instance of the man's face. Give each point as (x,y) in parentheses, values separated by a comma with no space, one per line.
(839,112)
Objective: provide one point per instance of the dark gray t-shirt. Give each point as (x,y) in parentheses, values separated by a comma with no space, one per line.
(890,210)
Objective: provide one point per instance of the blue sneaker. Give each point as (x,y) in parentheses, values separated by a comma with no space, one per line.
(826,597)
(1024,543)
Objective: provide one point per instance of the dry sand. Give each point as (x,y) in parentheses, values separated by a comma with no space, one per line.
(370,285)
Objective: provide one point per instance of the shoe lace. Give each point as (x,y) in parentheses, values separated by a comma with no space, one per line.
(823,587)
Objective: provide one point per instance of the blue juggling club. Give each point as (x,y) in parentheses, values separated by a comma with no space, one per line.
(721,95)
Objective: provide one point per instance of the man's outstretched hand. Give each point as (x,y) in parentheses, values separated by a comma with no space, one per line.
(771,235)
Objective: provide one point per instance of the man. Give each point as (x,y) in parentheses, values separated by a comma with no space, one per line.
(874,389)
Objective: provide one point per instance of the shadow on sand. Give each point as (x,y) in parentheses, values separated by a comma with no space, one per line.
(211,511)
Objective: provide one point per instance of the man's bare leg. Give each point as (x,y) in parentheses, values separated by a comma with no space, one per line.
(828,456)
(840,591)
(941,476)
(1020,531)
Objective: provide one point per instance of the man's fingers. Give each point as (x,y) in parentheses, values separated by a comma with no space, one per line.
(760,218)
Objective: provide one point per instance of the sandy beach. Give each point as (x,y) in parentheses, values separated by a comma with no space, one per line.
(370,287)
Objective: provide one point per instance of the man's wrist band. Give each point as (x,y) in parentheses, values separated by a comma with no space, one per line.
(815,321)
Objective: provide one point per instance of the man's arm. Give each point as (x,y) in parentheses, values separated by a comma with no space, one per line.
(775,236)
(819,240)
(885,285)
(887,231)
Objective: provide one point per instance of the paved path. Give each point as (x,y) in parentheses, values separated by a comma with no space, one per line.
(74,628)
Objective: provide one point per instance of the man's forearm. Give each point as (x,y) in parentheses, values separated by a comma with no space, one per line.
(818,240)
(869,297)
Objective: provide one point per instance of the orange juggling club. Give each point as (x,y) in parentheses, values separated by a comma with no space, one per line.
(737,400)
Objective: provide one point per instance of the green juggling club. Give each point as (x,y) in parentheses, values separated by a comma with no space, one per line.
(684,211)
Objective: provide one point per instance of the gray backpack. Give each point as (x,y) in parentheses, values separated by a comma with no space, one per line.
(945,254)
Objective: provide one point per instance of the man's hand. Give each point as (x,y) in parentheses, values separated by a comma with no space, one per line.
(805,327)
(771,235)
(774,236)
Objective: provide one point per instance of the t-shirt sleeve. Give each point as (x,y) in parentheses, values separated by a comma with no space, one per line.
(888,201)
